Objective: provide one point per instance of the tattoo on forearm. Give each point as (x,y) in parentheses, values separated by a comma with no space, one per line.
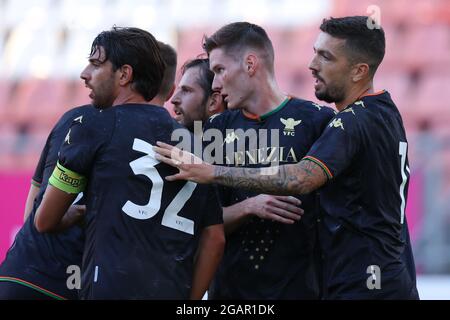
(299,178)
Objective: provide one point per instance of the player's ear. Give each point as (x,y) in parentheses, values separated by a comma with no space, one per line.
(360,71)
(215,104)
(126,74)
(251,63)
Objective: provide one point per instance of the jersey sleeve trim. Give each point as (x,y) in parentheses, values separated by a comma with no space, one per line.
(67,180)
(35,183)
(320,164)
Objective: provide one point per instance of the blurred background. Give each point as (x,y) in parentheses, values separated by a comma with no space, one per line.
(44,45)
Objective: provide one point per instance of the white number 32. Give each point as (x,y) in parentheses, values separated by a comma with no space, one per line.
(146,166)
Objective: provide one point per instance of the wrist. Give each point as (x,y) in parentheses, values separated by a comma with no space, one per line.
(218,174)
(246,207)
(211,174)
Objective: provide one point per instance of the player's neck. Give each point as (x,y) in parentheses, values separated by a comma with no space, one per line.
(128,97)
(355,93)
(266,99)
(157,101)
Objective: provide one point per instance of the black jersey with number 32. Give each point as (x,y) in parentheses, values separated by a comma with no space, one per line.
(142,231)
(363,151)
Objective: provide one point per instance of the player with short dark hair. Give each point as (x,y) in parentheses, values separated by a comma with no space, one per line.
(147,78)
(194,99)
(234,38)
(142,234)
(169,55)
(357,43)
(360,163)
(258,249)
(36,265)
(362,43)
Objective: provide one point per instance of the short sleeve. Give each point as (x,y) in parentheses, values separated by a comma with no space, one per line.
(83,140)
(337,146)
(38,175)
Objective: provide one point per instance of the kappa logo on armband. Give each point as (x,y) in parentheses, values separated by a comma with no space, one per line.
(69,180)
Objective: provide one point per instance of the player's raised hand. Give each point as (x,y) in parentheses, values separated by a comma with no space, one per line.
(284,209)
(191,167)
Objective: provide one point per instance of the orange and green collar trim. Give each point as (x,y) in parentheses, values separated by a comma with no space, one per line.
(371,94)
(268,114)
(33,286)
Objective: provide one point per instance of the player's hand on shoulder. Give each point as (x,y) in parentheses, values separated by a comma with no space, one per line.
(190,166)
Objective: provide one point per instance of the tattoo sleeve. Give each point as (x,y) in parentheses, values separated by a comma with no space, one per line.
(292,179)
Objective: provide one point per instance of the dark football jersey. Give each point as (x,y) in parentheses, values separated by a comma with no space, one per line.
(408,258)
(363,151)
(265,259)
(42,259)
(141,231)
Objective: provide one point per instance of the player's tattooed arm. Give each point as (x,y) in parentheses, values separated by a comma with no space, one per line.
(293,179)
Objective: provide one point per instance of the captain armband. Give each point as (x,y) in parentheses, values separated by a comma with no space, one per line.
(67,180)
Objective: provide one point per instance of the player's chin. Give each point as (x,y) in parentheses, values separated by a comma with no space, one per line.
(323,96)
(319,89)
(179,118)
(232,106)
